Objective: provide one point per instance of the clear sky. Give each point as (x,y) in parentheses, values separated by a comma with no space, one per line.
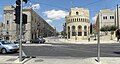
(54,11)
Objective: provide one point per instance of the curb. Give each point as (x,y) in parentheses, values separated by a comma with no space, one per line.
(87,42)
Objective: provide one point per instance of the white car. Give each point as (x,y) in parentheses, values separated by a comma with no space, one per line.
(6,46)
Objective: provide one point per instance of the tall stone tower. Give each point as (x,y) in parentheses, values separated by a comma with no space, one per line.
(77,24)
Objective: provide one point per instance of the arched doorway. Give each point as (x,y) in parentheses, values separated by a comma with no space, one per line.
(79,30)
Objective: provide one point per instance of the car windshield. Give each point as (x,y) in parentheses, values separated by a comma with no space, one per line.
(5,42)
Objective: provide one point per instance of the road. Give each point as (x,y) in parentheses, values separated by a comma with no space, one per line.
(56,48)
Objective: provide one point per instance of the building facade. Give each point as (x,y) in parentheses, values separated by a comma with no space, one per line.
(77,24)
(36,26)
(107,17)
(1,32)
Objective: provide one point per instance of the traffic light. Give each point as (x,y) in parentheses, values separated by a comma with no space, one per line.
(17,12)
(25,1)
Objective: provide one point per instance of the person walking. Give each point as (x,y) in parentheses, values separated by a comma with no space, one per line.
(89,38)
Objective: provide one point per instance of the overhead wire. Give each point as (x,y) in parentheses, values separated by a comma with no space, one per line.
(68,9)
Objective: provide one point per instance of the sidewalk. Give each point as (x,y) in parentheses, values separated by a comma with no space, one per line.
(88,42)
(69,60)
(11,60)
(104,60)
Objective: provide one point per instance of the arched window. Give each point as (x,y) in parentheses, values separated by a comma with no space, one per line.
(81,20)
(73,31)
(79,30)
(84,20)
(75,19)
(68,29)
(77,13)
(85,30)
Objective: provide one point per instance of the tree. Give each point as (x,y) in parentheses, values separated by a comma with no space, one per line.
(112,29)
(63,33)
(91,28)
(109,28)
(105,29)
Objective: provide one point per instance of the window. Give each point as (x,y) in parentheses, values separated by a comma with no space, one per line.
(111,17)
(68,29)
(85,28)
(7,33)
(104,17)
(79,30)
(81,19)
(85,33)
(85,20)
(77,13)
(75,19)
(79,33)
(73,31)
(7,21)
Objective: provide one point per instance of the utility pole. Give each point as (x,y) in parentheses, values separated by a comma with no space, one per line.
(20,52)
(117,16)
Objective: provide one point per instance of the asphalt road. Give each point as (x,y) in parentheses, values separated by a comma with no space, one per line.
(55,48)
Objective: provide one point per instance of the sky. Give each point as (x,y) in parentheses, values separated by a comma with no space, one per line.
(54,11)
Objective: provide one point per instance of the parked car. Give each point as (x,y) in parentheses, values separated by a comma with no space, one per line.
(23,41)
(38,40)
(6,46)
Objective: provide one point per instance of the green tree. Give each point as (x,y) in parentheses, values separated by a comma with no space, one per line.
(112,29)
(63,33)
(105,29)
(109,28)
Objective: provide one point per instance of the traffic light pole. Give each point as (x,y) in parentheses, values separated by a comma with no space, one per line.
(20,47)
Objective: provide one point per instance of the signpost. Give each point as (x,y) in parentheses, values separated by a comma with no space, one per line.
(98,40)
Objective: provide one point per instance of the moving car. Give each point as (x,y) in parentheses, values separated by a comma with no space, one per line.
(6,46)
(38,40)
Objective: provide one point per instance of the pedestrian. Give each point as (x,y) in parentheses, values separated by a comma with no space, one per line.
(89,38)
(118,34)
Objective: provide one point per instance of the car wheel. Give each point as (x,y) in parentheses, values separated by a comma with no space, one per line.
(3,51)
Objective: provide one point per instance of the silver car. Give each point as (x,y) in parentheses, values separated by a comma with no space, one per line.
(6,46)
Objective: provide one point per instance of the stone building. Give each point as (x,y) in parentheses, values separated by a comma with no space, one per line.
(36,26)
(77,24)
(1,32)
(107,17)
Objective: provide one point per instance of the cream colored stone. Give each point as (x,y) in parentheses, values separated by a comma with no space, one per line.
(78,17)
